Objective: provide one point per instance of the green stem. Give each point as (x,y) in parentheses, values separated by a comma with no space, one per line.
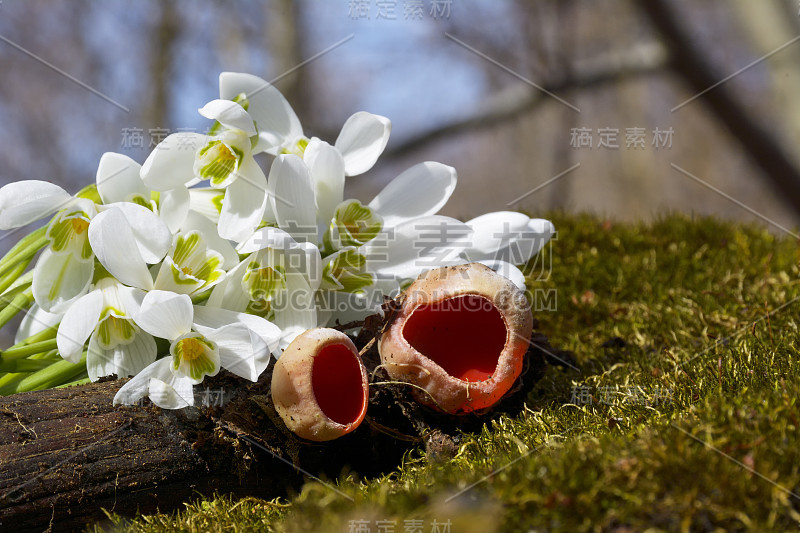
(13,275)
(19,303)
(26,247)
(56,374)
(44,335)
(82,381)
(21,283)
(24,365)
(26,350)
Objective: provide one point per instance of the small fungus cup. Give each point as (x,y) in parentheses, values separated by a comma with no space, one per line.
(319,385)
(460,337)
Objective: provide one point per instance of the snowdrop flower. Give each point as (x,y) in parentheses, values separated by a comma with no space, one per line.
(191,266)
(104,316)
(277,280)
(361,141)
(504,239)
(193,355)
(64,270)
(125,238)
(225,159)
(119,180)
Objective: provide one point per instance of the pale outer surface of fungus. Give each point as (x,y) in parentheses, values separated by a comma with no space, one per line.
(293,392)
(445,392)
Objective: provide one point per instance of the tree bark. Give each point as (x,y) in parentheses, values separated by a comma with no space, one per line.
(67,454)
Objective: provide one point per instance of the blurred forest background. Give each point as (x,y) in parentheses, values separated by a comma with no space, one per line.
(509,92)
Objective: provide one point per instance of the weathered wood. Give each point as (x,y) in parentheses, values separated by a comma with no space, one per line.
(67,454)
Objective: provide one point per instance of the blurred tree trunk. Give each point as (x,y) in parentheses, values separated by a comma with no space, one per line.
(167,33)
(695,69)
(286,47)
(768,29)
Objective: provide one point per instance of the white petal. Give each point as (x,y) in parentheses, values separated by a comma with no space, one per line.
(494,231)
(153,237)
(295,309)
(241,350)
(123,360)
(229,293)
(138,387)
(196,221)
(118,179)
(207,202)
(171,164)
(417,245)
(115,246)
(79,322)
(174,394)
(327,174)
(244,203)
(362,140)
(511,241)
(35,321)
(419,191)
(229,114)
(207,318)
(166,390)
(310,265)
(165,314)
(347,307)
(174,207)
(291,196)
(293,256)
(269,109)
(508,270)
(59,280)
(267,237)
(23,202)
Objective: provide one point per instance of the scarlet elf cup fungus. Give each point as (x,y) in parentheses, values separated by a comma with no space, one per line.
(460,337)
(319,385)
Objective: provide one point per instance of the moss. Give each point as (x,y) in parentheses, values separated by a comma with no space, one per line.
(683,415)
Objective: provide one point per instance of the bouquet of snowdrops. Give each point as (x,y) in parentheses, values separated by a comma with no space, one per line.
(198,260)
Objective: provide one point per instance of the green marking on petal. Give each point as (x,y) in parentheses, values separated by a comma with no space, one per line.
(298,148)
(180,277)
(138,199)
(262,308)
(356,223)
(216,161)
(186,246)
(114,330)
(263,282)
(192,265)
(195,356)
(242,100)
(55,290)
(345,272)
(68,232)
(217,202)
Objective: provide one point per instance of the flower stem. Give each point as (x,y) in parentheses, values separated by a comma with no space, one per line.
(24,365)
(82,381)
(14,274)
(56,374)
(18,303)
(21,351)
(24,249)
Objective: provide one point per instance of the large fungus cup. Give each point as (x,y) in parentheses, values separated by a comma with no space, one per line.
(460,337)
(319,385)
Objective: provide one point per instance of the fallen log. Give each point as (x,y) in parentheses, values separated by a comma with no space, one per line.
(67,454)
